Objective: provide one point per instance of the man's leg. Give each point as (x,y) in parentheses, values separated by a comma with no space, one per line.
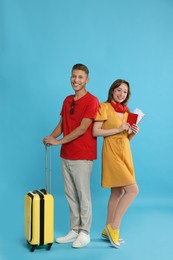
(81,171)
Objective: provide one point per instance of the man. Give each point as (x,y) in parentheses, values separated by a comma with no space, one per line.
(78,151)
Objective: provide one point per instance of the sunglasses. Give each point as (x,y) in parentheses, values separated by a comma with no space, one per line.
(72,107)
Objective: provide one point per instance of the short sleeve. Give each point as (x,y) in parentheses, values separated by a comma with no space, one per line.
(92,107)
(102,112)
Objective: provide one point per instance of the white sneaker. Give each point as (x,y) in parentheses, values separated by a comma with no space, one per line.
(82,240)
(70,237)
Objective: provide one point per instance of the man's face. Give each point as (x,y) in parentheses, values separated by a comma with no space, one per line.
(79,79)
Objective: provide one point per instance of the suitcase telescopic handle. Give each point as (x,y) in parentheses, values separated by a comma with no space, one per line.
(48,168)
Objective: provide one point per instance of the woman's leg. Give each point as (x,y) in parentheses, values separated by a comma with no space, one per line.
(115,196)
(130,192)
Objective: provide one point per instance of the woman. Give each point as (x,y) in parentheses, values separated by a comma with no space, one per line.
(117,165)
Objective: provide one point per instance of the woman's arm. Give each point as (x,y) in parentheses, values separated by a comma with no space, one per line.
(135,130)
(98,131)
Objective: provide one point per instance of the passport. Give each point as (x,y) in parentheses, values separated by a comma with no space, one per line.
(132,118)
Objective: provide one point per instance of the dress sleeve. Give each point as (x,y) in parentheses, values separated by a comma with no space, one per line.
(102,112)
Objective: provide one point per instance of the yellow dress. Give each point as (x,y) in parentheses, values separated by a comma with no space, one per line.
(117,163)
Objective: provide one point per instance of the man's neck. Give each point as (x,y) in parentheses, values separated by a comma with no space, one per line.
(80,94)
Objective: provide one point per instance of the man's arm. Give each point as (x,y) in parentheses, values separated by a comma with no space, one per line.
(80,130)
(58,130)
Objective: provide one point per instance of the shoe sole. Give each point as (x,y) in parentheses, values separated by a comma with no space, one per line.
(116,245)
(65,242)
(121,241)
(80,246)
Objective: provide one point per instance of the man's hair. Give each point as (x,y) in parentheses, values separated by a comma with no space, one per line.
(81,67)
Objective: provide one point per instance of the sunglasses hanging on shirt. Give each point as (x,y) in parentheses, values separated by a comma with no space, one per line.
(72,106)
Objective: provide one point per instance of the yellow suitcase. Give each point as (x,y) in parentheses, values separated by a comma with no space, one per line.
(39,216)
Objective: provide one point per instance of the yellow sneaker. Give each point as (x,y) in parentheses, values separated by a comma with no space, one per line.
(113,236)
(105,235)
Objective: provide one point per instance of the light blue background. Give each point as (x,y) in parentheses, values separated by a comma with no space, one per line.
(40,41)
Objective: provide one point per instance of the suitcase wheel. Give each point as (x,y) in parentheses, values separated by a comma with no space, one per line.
(32,248)
(49,246)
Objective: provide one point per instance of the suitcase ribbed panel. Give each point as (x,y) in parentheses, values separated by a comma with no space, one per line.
(41,216)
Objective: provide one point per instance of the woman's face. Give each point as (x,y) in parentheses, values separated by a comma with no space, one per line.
(120,93)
